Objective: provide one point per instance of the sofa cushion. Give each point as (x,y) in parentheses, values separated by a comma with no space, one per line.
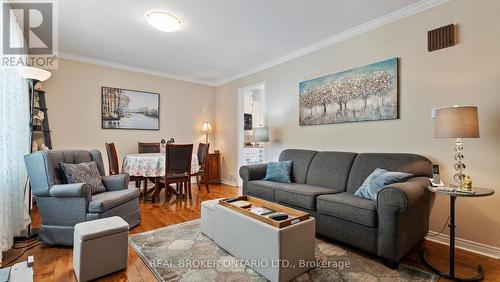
(366,163)
(301,195)
(105,201)
(279,171)
(377,180)
(262,188)
(301,160)
(55,175)
(330,169)
(84,173)
(349,207)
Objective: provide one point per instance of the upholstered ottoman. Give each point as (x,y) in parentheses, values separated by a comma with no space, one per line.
(207,216)
(278,254)
(100,247)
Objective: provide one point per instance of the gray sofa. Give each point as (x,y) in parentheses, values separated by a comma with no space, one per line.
(63,205)
(323,184)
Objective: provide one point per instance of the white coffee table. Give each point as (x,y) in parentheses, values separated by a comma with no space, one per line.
(279,252)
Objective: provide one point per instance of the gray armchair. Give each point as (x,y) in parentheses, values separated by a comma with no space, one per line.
(62,205)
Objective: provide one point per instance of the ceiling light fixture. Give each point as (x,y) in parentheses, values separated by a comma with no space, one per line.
(163,21)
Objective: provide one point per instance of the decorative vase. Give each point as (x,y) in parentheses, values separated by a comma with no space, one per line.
(467,183)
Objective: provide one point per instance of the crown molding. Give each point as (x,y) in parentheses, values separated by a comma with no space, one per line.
(72,57)
(371,25)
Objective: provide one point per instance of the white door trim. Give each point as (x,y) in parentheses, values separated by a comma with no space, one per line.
(240,134)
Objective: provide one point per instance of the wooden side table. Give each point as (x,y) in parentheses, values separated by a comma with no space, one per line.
(453,194)
(213,168)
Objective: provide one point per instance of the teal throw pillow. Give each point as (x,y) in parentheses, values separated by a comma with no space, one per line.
(279,172)
(378,179)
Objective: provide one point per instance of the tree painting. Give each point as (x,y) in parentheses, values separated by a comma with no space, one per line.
(129,109)
(366,93)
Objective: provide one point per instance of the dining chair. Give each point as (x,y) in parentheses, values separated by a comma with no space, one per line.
(149,147)
(177,170)
(202,161)
(112,159)
(145,148)
(114,167)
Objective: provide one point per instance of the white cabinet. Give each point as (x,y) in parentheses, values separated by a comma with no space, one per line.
(257,114)
(247,104)
(253,104)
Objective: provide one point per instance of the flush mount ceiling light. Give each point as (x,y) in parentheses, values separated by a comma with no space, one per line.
(163,21)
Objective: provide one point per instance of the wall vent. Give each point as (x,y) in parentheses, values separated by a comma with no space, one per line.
(440,38)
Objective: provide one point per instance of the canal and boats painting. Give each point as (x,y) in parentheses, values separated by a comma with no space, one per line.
(129,109)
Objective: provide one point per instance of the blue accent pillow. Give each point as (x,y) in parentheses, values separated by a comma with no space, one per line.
(378,179)
(279,172)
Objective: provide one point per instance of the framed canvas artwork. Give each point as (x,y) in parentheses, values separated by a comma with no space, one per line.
(365,93)
(129,109)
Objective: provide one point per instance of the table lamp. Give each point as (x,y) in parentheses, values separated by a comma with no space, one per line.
(457,122)
(206,128)
(260,134)
(35,74)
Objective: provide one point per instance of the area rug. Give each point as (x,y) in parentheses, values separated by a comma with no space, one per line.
(182,253)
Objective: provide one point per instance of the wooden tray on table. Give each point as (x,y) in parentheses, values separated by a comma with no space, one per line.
(294,216)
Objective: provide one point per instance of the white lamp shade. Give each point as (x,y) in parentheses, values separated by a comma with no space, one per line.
(260,134)
(35,73)
(206,127)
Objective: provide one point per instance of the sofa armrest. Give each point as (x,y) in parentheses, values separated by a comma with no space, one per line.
(253,172)
(403,195)
(403,217)
(115,182)
(73,190)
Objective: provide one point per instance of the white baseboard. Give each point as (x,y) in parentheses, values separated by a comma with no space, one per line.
(228,182)
(464,244)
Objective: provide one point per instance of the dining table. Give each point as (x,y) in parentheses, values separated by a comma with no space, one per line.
(151,166)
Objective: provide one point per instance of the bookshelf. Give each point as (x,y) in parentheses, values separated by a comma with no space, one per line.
(40,128)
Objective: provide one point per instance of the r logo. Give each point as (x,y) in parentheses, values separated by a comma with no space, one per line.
(36,21)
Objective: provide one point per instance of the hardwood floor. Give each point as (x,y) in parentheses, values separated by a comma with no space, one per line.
(55,263)
(465,262)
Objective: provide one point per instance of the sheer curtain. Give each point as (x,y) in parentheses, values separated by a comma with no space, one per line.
(14,144)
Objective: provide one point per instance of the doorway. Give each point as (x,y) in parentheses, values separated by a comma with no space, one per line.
(251,114)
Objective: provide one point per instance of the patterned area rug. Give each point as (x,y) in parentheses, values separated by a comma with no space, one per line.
(182,253)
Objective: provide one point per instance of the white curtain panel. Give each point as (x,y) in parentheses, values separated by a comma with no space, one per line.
(14,144)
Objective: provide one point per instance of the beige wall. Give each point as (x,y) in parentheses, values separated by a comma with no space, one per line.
(74,97)
(467,74)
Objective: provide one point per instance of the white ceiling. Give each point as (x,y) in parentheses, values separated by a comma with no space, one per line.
(219,39)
